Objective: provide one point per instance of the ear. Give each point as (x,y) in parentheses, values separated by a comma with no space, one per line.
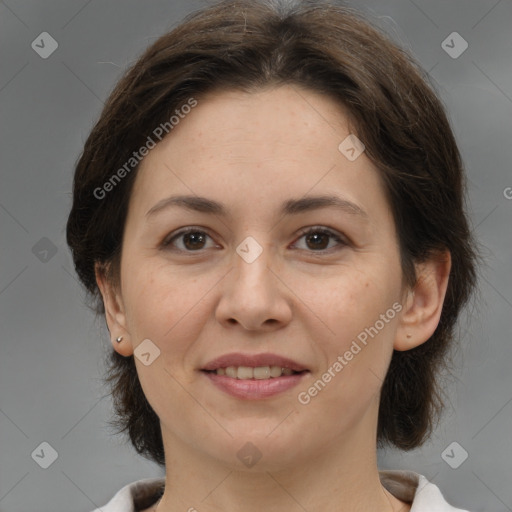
(423,306)
(114,312)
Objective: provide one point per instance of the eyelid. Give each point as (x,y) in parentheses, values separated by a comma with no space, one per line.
(183,231)
(340,238)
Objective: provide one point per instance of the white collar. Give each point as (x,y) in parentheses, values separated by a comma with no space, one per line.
(407,486)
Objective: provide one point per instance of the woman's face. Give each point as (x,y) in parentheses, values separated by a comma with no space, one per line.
(248,282)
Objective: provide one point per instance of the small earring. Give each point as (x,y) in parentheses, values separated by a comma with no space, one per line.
(119,339)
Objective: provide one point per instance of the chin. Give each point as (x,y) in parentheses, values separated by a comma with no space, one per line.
(263,446)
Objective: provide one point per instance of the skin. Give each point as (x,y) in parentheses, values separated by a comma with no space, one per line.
(251,152)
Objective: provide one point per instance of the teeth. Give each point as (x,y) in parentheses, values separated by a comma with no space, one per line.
(275,371)
(260,372)
(231,371)
(244,372)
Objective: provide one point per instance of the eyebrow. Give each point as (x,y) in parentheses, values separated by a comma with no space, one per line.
(289,207)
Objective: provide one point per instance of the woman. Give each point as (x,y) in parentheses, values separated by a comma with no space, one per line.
(270,213)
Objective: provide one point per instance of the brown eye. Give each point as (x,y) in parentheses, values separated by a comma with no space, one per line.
(317,239)
(192,239)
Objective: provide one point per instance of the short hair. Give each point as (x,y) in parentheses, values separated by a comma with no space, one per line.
(249,45)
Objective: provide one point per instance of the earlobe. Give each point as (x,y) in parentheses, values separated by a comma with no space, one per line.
(114,313)
(423,305)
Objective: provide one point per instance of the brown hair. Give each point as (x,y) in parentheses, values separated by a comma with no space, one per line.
(248,45)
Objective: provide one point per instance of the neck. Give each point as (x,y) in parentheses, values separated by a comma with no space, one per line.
(343,477)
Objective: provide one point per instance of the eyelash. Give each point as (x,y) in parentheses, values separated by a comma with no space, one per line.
(307,231)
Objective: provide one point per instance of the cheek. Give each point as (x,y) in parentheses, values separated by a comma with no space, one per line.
(161,303)
(345,301)
(170,304)
(358,341)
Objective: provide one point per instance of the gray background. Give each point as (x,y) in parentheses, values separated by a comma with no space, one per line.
(52,347)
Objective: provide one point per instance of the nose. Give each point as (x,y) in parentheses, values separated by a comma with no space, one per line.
(254,295)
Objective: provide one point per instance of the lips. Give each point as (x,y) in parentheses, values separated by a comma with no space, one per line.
(254,377)
(253,361)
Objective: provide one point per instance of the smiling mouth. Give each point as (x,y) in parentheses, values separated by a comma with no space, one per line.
(255,373)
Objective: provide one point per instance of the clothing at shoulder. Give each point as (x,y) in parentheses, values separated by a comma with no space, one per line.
(404,485)
(134,497)
(413,488)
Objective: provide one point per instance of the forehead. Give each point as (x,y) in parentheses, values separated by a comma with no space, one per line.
(263,146)
(288,114)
